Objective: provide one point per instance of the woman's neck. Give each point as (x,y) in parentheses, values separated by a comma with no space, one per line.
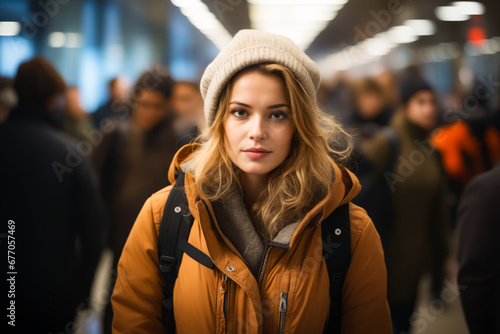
(252,186)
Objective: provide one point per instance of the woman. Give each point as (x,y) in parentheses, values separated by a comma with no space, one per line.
(418,239)
(258,187)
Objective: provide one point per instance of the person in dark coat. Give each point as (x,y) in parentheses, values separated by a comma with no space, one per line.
(115,106)
(50,196)
(478,228)
(132,160)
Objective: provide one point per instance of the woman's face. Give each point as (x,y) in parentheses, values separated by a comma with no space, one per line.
(421,109)
(258,127)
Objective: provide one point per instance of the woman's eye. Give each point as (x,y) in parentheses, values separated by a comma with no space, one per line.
(239,112)
(279,115)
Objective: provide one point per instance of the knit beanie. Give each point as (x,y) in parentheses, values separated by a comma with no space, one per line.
(411,86)
(251,47)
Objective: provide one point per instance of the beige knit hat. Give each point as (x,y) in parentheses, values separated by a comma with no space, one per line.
(250,47)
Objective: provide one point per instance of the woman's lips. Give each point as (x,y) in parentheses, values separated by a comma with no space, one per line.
(257,153)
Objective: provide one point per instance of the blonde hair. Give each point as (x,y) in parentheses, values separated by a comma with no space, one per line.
(300,182)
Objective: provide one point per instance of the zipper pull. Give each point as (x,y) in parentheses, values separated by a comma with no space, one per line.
(223,283)
(283,299)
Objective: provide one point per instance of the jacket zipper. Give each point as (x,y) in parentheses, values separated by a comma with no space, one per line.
(282,309)
(263,265)
(225,290)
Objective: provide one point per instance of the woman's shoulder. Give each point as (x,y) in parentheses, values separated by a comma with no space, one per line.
(361,227)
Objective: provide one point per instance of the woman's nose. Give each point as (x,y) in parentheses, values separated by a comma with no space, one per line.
(257,130)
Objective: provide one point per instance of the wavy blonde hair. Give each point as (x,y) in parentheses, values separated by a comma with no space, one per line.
(300,182)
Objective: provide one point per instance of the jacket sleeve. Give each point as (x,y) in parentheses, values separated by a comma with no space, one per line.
(138,291)
(364,296)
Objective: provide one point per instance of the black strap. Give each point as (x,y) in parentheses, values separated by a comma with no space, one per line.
(175,226)
(336,237)
(196,254)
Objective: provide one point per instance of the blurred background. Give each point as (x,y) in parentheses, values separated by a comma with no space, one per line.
(374,56)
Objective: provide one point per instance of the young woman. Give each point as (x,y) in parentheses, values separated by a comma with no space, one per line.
(258,186)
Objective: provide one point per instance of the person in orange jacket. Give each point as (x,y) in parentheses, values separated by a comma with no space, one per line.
(267,173)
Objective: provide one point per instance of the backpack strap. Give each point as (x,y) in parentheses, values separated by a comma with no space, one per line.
(175,226)
(336,237)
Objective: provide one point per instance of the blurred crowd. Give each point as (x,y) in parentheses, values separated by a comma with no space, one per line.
(76,180)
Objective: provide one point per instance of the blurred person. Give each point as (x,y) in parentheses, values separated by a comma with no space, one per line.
(389,85)
(188,104)
(115,105)
(469,145)
(8,98)
(478,252)
(418,238)
(370,108)
(51,195)
(336,96)
(132,160)
(261,189)
(77,121)
(370,115)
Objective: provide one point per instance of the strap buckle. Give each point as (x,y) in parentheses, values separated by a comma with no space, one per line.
(166,263)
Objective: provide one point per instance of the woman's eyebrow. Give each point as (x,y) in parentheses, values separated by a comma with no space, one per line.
(274,106)
(241,104)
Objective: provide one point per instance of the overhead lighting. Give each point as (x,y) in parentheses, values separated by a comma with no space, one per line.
(422,27)
(450,13)
(203,19)
(402,34)
(469,7)
(9,28)
(57,39)
(189,4)
(73,40)
(300,20)
(297,2)
(379,45)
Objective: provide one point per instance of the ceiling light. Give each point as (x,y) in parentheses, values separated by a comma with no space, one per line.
(300,20)
(402,34)
(379,45)
(422,27)
(57,39)
(203,19)
(9,28)
(189,4)
(450,13)
(469,7)
(73,40)
(297,2)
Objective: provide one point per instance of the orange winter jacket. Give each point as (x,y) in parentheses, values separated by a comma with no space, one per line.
(234,300)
